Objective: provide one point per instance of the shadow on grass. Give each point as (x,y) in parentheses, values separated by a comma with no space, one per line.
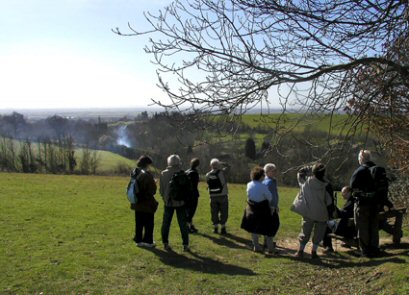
(200,263)
(228,240)
(346,259)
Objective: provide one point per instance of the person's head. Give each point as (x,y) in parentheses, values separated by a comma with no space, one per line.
(144,162)
(318,170)
(215,164)
(346,192)
(364,156)
(270,170)
(194,163)
(257,173)
(174,161)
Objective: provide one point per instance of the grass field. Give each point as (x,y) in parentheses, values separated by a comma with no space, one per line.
(72,235)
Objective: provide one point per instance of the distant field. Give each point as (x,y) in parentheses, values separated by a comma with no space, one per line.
(72,235)
(336,124)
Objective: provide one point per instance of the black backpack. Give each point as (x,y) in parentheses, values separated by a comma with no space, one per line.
(214,183)
(180,187)
(381,181)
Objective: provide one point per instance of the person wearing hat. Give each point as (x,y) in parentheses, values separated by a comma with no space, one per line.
(315,213)
(146,206)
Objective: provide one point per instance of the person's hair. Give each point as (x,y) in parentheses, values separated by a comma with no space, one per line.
(270,167)
(346,189)
(257,173)
(174,161)
(215,163)
(318,170)
(364,156)
(194,163)
(144,161)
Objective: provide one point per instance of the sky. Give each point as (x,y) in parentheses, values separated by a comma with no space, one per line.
(63,54)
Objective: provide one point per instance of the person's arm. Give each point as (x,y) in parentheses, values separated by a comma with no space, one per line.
(162,185)
(222,178)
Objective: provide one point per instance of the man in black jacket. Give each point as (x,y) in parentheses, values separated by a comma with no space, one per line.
(191,205)
(366,205)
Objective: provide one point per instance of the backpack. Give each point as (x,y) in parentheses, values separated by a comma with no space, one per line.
(180,186)
(214,183)
(380,179)
(132,189)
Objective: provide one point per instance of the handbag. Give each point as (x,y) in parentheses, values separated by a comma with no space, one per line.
(299,204)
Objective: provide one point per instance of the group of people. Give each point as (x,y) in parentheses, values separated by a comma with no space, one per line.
(180,194)
(365,197)
(315,203)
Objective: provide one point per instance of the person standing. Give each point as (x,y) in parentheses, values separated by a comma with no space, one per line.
(174,193)
(366,205)
(219,201)
(146,206)
(191,205)
(257,218)
(314,210)
(271,182)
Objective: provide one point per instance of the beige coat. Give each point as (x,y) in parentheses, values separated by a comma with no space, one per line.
(165,178)
(317,199)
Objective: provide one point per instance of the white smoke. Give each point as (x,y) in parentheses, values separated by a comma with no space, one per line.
(123,138)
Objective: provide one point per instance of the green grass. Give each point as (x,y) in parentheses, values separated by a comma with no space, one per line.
(335,124)
(72,235)
(108,161)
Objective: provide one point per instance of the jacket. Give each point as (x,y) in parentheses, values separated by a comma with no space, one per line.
(223,180)
(194,178)
(317,199)
(147,190)
(272,187)
(258,219)
(165,177)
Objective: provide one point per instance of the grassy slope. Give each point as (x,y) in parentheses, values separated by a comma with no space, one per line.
(72,234)
(108,161)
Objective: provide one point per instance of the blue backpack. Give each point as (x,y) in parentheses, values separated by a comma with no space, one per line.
(132,189)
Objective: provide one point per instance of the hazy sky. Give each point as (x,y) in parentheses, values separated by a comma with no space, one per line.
(62,54)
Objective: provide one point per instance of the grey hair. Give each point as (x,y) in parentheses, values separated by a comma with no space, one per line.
(215,163)
(270,167)
(174,160)
(364,156)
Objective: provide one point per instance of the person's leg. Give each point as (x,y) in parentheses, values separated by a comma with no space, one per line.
(362,225)
(319,232)
(255,240)
(214,208)
(181,215)
(149,226)
(224,212)
(373,231)
(167,220)
(192,207)
(306,229)
(327,241)
(138,227)
(269,243)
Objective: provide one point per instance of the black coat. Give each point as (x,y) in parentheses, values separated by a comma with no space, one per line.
(258,219)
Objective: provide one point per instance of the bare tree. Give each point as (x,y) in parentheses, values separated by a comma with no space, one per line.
(231,55)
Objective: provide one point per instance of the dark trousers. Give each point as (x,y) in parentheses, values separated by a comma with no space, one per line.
(219,207)
(191,207)
(144,221)
(367,225)
(343,230)
(167,220)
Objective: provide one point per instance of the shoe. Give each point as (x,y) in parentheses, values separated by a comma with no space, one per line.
(299,254)
(216,230)
(329,250)
(186,248)
(167,247)
(223,231)
(314,255)
(141,244)
(272,251)
(193,229)
(257,249)
(152,245)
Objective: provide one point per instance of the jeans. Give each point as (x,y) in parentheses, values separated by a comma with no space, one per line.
(167,220)
(144,221)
